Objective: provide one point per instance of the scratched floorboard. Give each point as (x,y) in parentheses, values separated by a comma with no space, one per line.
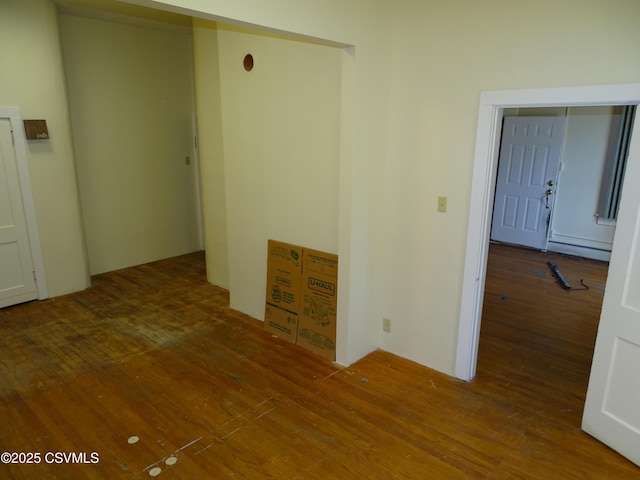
(154,352)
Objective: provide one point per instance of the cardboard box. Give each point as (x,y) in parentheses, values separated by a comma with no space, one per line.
(318,303)
(284,270)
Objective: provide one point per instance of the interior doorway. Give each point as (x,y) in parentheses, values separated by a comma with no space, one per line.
(491,113)
(548,328)
(606,412)
(588,142)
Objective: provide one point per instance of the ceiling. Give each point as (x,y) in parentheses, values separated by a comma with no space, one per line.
(116,8)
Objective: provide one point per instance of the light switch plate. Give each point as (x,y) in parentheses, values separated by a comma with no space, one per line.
(442,204)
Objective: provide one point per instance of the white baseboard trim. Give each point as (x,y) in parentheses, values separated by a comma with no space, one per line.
(585,252)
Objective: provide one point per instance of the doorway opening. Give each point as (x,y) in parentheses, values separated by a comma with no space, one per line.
(490,116)
(548,331)
(534,327)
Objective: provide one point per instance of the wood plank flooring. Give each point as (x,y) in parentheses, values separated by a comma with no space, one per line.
(154,352)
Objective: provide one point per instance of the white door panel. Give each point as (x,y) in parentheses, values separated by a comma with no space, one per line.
(612,407)
(17,283)
(529,160)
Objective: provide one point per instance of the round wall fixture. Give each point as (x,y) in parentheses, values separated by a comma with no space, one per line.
(248,62)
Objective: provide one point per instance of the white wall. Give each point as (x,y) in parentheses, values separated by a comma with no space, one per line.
(210,141)
(131,97)
(281,124)
(33,80)
(588,138)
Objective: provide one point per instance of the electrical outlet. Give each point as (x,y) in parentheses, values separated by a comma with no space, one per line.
(386,325)
(442,204)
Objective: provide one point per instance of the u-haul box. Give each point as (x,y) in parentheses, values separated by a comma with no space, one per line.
(284,270)
(318,302)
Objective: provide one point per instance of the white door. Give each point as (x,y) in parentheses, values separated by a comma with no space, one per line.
(17,282)
(530,153)
(612,407)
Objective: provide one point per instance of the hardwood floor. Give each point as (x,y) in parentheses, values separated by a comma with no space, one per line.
(154,352)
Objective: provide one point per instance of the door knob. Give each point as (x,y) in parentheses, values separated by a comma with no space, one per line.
(547,194)
(550,183)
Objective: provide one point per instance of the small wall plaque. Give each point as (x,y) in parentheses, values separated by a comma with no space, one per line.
(36,129)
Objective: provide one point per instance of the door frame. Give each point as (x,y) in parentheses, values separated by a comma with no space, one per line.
(26,192)
(490,113)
